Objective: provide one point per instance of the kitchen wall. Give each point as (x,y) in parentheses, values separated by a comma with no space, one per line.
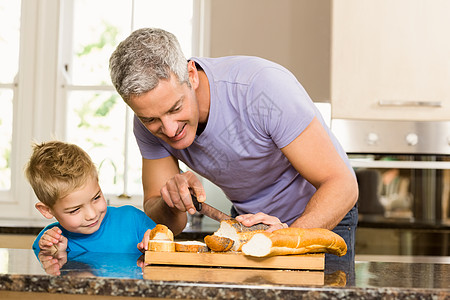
(293,33)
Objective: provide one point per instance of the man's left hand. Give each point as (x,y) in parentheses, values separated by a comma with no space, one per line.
(252,219)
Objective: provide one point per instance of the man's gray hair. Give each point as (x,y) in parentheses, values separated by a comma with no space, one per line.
(143,59)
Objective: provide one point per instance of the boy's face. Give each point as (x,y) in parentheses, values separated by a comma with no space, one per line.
(82,211)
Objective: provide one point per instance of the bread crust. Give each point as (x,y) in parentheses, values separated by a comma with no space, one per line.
(161,232)
(218,243)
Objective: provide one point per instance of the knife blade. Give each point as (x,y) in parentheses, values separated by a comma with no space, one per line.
(215,214)
(209,211)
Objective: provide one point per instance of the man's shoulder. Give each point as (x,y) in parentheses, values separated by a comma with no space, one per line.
(242,70)
(238,60)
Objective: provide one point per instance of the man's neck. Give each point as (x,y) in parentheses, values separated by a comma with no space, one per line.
(203,98)
(200,128)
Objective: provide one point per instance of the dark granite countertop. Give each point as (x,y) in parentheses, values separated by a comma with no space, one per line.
(120,275)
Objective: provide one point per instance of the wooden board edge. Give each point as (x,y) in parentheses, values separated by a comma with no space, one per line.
(228,275)
(237,260)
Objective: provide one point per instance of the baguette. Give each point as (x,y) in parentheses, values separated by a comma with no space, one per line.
(295,241)
(235,231)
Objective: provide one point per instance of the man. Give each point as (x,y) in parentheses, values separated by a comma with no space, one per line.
(245,124)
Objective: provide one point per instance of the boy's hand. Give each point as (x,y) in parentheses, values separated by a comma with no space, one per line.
(53,240)
(141,261)
(52,262)
(143,245)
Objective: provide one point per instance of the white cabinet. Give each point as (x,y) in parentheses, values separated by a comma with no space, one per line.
(390,59)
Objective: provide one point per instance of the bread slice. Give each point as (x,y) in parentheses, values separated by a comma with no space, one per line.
(161,232)
(161,239)
(295,241)
(161,246)
(191,246)
(232,230)
(218,243)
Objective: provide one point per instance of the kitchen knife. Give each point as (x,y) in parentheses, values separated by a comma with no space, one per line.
(215,214)
(209,211)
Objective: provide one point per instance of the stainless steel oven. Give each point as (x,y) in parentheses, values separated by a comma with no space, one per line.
(403,172)
(403,167)
(412,188)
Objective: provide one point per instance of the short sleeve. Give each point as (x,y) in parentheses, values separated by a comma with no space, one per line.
(279,105)
(143,222)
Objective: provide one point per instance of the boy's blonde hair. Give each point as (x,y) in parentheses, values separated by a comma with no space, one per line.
(56,169)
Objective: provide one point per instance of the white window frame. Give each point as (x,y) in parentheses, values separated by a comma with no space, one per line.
(40,92)
(34,90)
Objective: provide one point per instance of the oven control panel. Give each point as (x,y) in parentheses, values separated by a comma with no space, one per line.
(402,137)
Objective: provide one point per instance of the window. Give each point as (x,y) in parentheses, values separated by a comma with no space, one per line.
(9,62)
(56,85)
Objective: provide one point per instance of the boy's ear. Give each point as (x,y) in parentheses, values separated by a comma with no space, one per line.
(44,210)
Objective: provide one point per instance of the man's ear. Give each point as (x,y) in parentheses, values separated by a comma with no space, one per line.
(44,210)
(193,74)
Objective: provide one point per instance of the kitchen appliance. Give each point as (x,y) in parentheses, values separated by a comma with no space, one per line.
(403,172)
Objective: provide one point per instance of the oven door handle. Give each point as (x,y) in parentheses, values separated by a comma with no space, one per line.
(392,164)
(409,103)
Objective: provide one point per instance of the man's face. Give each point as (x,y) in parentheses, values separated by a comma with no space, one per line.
(83,210)
(170,112)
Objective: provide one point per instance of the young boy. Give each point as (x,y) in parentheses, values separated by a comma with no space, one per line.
(65,180)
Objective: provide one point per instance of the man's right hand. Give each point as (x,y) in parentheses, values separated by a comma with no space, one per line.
(166,192)
(177,192)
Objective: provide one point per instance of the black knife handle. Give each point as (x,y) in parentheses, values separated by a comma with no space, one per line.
(197,205)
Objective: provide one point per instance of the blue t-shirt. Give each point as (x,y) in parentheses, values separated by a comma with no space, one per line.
(121,230)
(257,107)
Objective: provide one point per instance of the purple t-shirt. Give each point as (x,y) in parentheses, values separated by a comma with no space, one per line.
(257,107)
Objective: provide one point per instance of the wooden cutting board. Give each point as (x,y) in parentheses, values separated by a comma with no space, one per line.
(237,260)
(233,275)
